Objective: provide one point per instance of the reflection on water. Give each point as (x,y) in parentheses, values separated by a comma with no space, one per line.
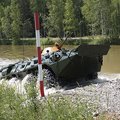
(111,62)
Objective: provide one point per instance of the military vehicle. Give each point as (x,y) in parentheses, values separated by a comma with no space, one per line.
(82,61)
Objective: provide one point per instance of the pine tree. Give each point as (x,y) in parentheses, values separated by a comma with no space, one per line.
(16,19)
(6,23)
(70,21)
(97,14)
(115,18)
(1,15)
(55,17)
(26,16)
(105,15)
(81,28)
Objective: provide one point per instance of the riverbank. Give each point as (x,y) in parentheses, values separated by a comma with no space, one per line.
(26,41)
(97,99)
(69,41)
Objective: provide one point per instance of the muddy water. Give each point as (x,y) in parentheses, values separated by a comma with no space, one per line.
(9,54)
(111,62)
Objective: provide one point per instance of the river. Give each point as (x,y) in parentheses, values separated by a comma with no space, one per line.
(9,54)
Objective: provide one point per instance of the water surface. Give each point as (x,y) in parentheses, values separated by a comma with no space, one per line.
(9,53)
(111,62)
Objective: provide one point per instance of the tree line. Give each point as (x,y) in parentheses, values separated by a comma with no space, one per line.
(59,18)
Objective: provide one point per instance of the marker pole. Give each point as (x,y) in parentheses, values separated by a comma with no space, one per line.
(37,31)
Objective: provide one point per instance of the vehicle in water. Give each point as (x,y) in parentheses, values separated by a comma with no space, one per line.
(83,61)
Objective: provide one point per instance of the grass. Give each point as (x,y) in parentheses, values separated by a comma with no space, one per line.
(14,106)
(70,41)
(26,41)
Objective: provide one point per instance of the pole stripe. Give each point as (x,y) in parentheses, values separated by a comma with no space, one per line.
(40,75)
(39,55)
(42,88)
(37,38)
(36,19)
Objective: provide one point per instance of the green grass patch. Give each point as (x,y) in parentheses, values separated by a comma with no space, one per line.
(70,41)
(26,41)
(94,40)
(14,106)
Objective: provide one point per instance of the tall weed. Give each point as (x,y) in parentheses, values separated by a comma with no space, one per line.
(14,106)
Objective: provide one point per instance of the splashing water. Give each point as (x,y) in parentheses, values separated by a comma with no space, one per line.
(19,85)
(5,62)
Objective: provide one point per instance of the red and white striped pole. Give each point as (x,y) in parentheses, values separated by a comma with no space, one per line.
(40,74)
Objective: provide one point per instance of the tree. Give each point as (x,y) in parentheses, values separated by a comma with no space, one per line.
(70,21)
(26,17)
(97,14)
(1,15)
(105,16)
(6,23)
(81,25)
(27,28)
(115,18)
(16,19)
(55,17)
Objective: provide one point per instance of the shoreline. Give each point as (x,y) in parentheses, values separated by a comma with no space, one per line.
(70,41)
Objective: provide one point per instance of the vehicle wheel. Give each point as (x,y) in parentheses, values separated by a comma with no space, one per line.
(33,71)
(49,78)
(92,76)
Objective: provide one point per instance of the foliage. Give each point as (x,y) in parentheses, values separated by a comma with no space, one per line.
(70,21)
(1,15)
(14,106)
(26,17)
(6,23)
(81,17)
(27,41)
(97,15)
(81,23)
(16,20)
(55,18)
(115,17)
(10,105)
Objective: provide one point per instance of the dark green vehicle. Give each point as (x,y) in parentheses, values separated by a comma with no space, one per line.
(82,62)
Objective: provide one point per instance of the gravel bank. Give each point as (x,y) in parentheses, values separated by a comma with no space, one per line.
(103,92)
